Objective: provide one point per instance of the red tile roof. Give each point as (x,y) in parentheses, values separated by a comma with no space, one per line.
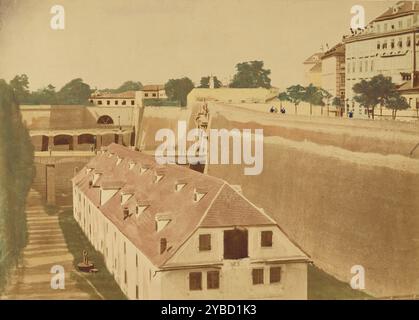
(153,87)
(401,8)
(221,206)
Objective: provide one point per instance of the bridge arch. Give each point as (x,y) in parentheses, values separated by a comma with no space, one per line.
(105,119)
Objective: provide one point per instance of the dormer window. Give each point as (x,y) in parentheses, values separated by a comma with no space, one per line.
(180,184)
(131,165)
(96,177)
(118,161)
(125,196)
(157,178)
(199,193)
(161,222)
(145,168)
(88,170)
(159,175)
(140,209)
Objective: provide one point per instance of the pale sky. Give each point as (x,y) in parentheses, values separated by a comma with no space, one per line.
(107,42)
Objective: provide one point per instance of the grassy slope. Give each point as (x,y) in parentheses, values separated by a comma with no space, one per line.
(322,286)
(103,280)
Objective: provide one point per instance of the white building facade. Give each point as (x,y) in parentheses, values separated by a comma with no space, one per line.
(388,46)
(172,233)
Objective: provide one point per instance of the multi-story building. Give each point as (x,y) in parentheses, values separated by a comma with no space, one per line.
(388,45)
(127,98)
(313,70)
(333,71)
(168,232)
(154,91)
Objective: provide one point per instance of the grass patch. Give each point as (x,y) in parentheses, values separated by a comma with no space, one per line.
(76,241)
(322,286)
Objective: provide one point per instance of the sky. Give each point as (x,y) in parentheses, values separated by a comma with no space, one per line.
(106,42)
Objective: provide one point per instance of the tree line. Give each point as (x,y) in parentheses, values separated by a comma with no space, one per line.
(378,91)
(251,74)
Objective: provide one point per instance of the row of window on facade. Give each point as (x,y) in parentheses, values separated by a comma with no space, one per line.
(213,278)
(363,66)
(116,102)
(393,43)
(392,27)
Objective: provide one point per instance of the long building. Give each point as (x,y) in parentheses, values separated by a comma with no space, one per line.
(389,46)
(168,232)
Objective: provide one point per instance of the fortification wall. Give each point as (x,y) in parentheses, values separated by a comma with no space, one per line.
(346,193)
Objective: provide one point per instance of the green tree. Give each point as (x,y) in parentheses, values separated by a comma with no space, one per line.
(283,96)
(17,171)
(374,92)
(396,102)
(326,96)
(129,86)
(314,96)
(20,85)
(251,75)
(204,83)
(46,95)
(295,95)
(178,90)
(74,92)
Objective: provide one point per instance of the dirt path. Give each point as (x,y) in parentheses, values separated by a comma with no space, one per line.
(46,247)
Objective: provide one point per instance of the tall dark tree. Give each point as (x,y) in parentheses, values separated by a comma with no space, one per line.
(17,171)
(205,82)
(313,96)
(20,85)
(178,89)
(251,75)
(74,92)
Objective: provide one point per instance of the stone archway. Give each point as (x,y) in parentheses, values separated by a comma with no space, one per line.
(63,142)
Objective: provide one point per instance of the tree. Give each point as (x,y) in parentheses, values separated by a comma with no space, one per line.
(251,75)
(295,95)
(205,82)
(46,95)
(20,86)
(283,96)
(178,89)
(17,171)
(374,92)
(129,86)
(74,92)
(337,102)
(314,96)
(325,96)
(396,102)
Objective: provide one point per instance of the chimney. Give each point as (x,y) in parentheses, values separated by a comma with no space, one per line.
(126,213)
(163,245)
